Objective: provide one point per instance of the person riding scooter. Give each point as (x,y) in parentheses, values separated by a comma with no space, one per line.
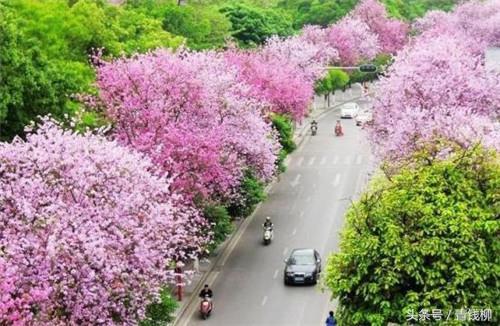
(206,305)
(269,225)
(338,129)
(314,127)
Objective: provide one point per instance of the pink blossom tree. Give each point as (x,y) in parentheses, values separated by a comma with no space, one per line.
(353,40)
(191,115)
(87,230)
(476,22)
(280,84)
(435,88)
(309,52)
(391,33)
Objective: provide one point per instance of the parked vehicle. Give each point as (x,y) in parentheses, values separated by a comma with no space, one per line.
(303,266)
(349,110)
(363,118)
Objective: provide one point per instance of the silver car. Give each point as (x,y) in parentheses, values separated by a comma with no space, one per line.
(349,110)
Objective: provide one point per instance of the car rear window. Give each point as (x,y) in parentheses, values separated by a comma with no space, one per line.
(304,259)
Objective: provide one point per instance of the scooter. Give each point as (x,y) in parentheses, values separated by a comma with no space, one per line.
(205,307)
(268,235)
(314,130)
(338,131)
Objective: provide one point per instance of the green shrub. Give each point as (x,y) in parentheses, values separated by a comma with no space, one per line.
(160,312)
(220,219)
(252,193)
(281,161)
(285,129)
(427,238)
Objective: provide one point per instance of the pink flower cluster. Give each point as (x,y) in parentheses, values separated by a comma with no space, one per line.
(87,230)
(189,113)
(438,85)
(476,23)
(360,36)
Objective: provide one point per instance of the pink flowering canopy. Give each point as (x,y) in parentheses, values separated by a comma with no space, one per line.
(391,33)
(476,22)
(280,84)
(87,230)
(309,56)
(353,40)
(189,113)
(435,87)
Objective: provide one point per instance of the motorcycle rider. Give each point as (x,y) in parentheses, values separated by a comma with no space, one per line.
(269,224)
(206,292)
(338,129)
(314,126)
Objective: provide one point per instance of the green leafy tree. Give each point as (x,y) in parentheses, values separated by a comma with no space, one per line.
(334,79)
(201,24)
(426,237)
(252,25)
(30,83)
(412,9)
(44,53)
(317,12)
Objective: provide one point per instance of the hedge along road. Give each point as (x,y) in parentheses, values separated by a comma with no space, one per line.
(307,207)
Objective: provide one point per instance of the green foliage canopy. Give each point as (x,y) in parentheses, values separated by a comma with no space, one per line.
(252,26)
(44,53)
(335,79)
(427,238)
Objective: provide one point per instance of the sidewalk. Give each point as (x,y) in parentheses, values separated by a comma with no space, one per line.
(200,276)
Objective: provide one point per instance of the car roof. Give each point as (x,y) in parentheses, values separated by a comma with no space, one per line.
(302,251)
(350,105)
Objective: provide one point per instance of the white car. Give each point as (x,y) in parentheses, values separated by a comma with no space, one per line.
(363,118)
(349,110)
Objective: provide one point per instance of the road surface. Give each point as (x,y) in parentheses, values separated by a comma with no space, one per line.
(307,208)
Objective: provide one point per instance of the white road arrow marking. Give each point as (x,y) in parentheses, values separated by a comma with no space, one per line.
(337,180)
(295,181)
(323,161)
(311,161)
(336,159)
(301,159)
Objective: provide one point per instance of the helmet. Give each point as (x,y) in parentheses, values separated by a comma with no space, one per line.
(268,218)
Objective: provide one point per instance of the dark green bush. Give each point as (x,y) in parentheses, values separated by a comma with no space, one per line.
(285,129)
(160,312)
(252,192)
(220,219)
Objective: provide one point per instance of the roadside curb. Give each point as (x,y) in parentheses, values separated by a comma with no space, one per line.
(223,251)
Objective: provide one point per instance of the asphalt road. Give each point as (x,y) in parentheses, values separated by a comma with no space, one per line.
(307,208)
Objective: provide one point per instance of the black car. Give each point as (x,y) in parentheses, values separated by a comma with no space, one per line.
(302,267)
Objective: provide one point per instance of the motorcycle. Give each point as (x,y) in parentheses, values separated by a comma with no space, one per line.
(314,130)
(205,307)
(338,131)
(268,235)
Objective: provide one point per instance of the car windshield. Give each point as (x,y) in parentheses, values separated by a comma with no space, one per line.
(302,260)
